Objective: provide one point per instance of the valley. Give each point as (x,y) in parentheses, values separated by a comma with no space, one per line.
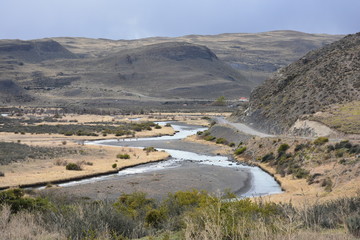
(169,137)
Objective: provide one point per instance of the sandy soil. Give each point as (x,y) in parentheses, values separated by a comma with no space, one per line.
(158,184)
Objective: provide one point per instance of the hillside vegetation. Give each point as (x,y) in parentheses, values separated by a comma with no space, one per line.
(330,75)
(182,215)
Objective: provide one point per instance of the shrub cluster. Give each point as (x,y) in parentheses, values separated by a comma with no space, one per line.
(239,151)
(17,152)
(123,156)
(73,166)
(92,129)
(196,214)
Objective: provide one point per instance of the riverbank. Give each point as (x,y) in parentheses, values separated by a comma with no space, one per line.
(159,183)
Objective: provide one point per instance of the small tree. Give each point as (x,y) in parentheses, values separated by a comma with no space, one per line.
(220,101)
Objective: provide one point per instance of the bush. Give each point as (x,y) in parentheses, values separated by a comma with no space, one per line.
(321,140)
(73,167)
(209,138)
(240,150)
(221,141)
(327,184)
(301,173)
(16,200)
(353,225)
(123,156)
(149,149)
(157,126)
(283,148)
(343,144)
(232,144)
(154,218)
(114,165)
(268,157)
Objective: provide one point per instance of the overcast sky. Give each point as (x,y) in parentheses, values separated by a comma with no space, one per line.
(119,19)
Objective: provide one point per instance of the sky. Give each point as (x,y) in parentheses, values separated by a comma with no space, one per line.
(132,19)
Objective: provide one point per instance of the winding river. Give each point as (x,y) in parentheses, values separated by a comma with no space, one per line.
(191,165)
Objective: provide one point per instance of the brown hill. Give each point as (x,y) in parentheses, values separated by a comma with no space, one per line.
(33,51)
(256,55)
(330,75)
(166,70)
(94,72)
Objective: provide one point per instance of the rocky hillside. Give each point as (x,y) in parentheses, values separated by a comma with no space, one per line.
(330,75)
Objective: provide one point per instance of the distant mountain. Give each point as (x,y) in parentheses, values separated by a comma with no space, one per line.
(81,71)
(323,77)
(166,70)
(256,55)
(33,51)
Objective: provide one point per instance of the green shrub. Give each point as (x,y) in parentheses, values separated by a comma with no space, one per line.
(353,225)
(73,166)
(157,126)
(301,173)
(268,157)
(16,200)
(300,147)
(221,141)
(321,140)
(240,150)
(209,138)
(114,165)
(123,156)
(135,205)
(154,218)
(327,184)
(231,144)
(343,144)
(283,148)
(206,133)
(167,125)
(149,149)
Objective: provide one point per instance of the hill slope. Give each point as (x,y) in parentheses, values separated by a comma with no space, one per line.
(256,55)
(330,75)
(95,72)
(33,51)
(153,72)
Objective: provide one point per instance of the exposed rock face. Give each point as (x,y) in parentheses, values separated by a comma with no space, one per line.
(322,77)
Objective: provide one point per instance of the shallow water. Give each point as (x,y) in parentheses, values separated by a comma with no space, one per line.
(261,183)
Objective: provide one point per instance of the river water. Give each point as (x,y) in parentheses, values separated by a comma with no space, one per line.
(261,182)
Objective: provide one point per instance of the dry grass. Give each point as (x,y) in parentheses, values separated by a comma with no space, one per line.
(342,117)
(23,225)
(101,157)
